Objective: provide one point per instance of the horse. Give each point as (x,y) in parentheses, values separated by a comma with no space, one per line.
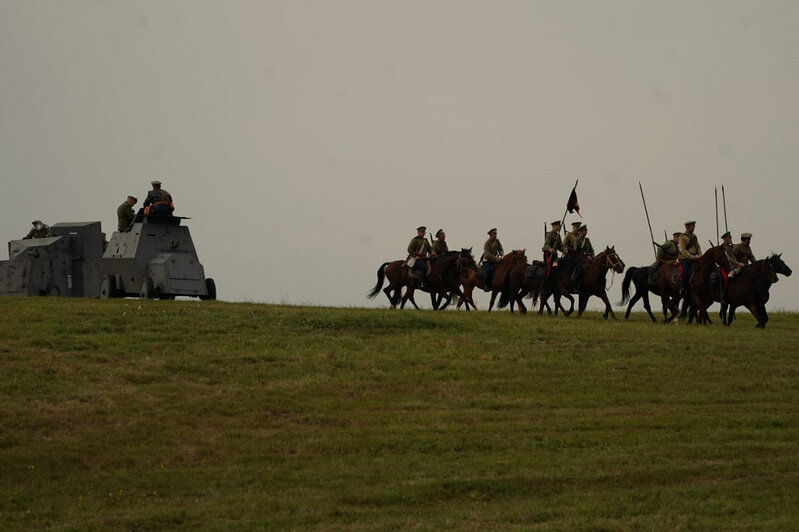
(750,289)
(444,279)
(501,271)
(523,279)
(700,289)
(398,275)
(469,281)
(594,279)
(664,285)
(561,283)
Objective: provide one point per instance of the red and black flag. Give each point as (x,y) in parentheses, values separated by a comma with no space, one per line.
(572,204)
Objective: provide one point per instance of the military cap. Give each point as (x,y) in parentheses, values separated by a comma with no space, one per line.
(155,183)
(36,222)
(690,222)
(439,233)
(421,228)
(556,222)
(746,235)
(727,234)
(134,198)
(492,230)
(676,233)
(583,228)
(577,224)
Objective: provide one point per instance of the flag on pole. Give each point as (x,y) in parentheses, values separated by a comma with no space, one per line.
(572,204)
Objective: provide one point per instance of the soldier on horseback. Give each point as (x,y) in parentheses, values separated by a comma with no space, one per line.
(690,251)
(742,254)
(492,252)
(552,244)
(570,241)
(418,251)
(584,245)
(440,245)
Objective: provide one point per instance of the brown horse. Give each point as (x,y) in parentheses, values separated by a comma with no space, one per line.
(750,289)
(594,279)
(523,280)
(660,281)
(700,290)
(501,271)
(469,281)
(667,283)
(398,275)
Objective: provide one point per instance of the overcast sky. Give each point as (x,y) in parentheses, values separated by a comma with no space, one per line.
(308,139)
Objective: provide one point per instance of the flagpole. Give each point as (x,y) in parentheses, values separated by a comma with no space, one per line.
(724,202)
(716,190)
(651,236)
(563,221)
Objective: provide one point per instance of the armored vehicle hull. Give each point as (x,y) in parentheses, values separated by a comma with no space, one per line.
(155,259)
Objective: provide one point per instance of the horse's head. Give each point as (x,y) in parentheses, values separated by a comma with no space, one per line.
(467,259)
(610,259)
(779,265)
(519,256)
(719,256)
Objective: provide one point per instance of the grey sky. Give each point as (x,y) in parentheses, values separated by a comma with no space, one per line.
(308,139)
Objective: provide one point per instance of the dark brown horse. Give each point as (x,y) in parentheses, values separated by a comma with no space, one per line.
(700,289)
(523,280)
(469,281)
(750,289)
(594,280)
(444,279)
(501,271)
(561,282)
(663,282)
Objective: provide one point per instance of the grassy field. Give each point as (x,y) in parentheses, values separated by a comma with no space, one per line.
(128,414)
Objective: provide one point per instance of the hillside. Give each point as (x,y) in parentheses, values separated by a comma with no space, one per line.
(182,415)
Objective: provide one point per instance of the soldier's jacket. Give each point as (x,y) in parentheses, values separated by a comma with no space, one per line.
(419,247)
(584,244)
(571,242)
(689,246)
(552,242)
(667,251)
(125,216)
(440,247)
(44,232)
(492,250)
(743,253)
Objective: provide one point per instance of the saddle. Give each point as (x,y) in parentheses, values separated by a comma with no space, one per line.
(537,270)
(411,272)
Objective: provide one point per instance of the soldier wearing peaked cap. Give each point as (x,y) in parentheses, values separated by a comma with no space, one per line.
(584,243)
(571,239)
(742,253)
(418,251)
(440,245)
(40,230)
(552,244)
(690,251)
(158,201)
(125,214)
(492,252)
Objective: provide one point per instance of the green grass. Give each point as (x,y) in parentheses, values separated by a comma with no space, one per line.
(129,414)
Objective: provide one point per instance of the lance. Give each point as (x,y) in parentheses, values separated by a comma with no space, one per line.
(716,191)
(724,202)
(651,236)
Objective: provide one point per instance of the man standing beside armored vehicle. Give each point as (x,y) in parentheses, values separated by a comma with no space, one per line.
(158,201)
(125,214)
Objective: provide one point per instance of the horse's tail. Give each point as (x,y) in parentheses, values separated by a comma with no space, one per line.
(625,286)
(504,296)
(381,276)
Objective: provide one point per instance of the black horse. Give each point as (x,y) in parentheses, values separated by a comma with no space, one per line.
(750,289)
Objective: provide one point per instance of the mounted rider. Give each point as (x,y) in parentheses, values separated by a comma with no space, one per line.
(571,238)
(440,245)
(742,254)
(690,251)
(584,245)
(418,251)
(552,244)
(492,252)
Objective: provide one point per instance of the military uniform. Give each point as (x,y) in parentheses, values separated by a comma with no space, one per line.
(571,240)
(492,252)
(39,232)
(125,216)
(584,243)
(742,252)
(552,244)
(159,201)
(690,251)
(667,251)
(418,250)
(440,246)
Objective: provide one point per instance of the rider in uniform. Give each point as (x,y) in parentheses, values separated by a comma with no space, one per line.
(570,241)
(584,245)
(552,244)
(742,253)
(690,251)
(492,252)
(418,250)
(440,245)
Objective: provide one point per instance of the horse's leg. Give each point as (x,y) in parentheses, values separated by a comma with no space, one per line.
(571,304)
(633,301)
(648,307)
(391,299)
(448,298)
(608,309)
(582,302)
(493,296)
(523,292)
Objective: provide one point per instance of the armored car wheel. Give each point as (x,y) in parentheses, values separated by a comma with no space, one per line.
(210,287)
(146,291)
(107,287)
